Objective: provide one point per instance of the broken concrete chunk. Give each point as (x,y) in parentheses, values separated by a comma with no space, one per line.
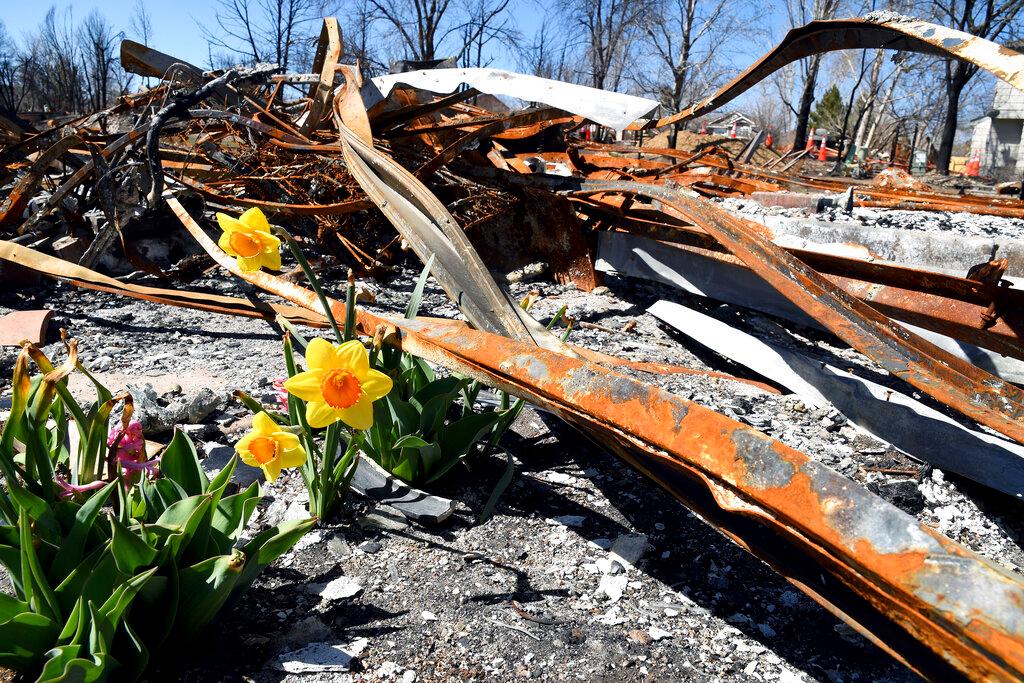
(322,658)
(629,548)
(338,589)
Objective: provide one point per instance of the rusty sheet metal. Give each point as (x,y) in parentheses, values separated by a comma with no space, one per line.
(203,301)
(328,52)
(16,201)
(612,109)
(974,392)
(79,176)
(888,415)
(904,34)
(982,314)
(338,208)
(927,600)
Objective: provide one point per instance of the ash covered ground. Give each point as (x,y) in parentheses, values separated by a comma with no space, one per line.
(586,571)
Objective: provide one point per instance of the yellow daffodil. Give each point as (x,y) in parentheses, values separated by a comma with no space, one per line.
(248,239)
(339,385)
(269,447)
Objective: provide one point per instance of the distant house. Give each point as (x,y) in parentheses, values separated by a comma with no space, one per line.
(997,135)
(722,125)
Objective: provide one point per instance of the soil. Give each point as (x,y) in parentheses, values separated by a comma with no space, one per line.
(518,597)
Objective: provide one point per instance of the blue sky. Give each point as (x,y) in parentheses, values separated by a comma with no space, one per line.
(176,23)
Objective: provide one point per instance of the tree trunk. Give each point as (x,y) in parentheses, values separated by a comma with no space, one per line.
(953,89)
(803,113)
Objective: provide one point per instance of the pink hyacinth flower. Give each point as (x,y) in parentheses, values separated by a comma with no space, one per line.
(281,394)
(71,490)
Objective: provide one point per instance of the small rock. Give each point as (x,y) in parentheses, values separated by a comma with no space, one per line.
(629,548)
(568,520)
(385,517)
(339,548)
(641,637)
(409,676)
(658,633)
(600,291)
(426,615)
(369,547)
(612,586)
(321,658)
(338,589)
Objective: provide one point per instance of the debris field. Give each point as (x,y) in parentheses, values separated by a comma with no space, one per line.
(775,426)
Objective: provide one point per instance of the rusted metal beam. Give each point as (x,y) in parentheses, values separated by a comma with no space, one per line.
(903,34)
(974,392)
(328,52)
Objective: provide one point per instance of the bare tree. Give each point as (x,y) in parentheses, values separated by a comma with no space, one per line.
(486,22)
(767,110)
(992,20)
(361,42)
(689,39)
(13,84)
(99,64)
(264,30)
(610,29)
(422,25)
(801,12)
(546,53)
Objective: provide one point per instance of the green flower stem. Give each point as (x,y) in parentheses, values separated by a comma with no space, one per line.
(312,278)
(292,330)
(350,307)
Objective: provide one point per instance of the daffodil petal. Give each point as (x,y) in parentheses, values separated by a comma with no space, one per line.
(359,416)
(272,470)
(320,355)
(242,447)
(225,243)
(255,219)
(287,440)
(305,385)
(263,424)
(229,224)
(248,264)
(293,458)
(320,415)
(376,385)
(352,356)
(271,259)
(270,241)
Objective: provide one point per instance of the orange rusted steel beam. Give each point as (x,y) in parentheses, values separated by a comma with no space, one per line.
(350,206)
(974,392)
(950,305)
(925,599)
(18,198)
(896,33)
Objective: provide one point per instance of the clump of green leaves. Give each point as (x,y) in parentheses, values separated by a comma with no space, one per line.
(109,577)
(428,424)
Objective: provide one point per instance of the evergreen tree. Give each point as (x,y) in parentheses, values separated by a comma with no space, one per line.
(828,114)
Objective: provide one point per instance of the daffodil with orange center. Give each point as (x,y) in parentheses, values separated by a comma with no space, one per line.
(339,384)
(249,240)
(269,447)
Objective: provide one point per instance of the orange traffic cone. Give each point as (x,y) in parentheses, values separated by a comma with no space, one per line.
(768,141)
(703,128)
(821,150)
(810,141)
(973,164)
(732,134)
